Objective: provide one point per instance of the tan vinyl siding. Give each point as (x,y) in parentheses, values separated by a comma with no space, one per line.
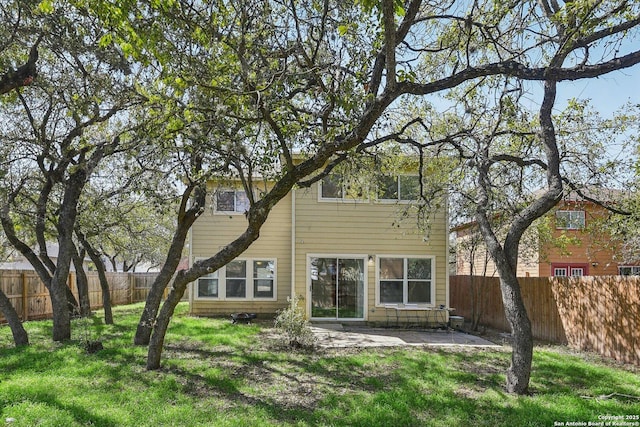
(213,231)
(325,228)
(482,264)
(363,229)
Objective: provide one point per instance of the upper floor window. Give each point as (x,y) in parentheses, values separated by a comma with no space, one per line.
(403,187)
(331,187)
(570,220)
(389,188)
(337,187)
(231,201)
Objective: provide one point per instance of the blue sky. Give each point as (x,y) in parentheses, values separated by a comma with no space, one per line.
(608,92)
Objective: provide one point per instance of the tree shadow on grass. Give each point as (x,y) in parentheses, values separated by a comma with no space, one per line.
(51,411)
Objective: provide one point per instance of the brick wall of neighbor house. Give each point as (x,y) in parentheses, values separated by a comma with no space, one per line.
(365,228)
(592,248)
(212,231)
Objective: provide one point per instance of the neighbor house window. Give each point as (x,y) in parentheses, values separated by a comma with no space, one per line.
(405,280)
(569,270)
(560,272)
(240,279)
(231,201)
(570,220)
(577,272)
(403,187)
(629,270)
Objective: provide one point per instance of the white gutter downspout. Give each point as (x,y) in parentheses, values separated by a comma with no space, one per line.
(191,285)
(447,232)
(293,242)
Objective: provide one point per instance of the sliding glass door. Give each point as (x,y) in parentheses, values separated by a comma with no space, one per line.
(337,288)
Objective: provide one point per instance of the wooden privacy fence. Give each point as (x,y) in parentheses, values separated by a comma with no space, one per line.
(595,313)
(31,299)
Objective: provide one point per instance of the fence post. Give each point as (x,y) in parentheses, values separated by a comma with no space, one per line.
(132,287)
(25,297)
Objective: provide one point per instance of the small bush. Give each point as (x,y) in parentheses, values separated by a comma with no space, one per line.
(85,331)
(292,322)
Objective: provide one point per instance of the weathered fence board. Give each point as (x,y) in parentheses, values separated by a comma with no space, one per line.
(600,313)
(31,298)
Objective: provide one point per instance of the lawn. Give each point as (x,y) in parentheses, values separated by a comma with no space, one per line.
(218,374)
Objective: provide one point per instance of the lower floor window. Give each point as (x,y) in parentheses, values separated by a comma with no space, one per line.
(569,270)
(629,270)
(560,272)
(208,285)
(236,279)
(240,279)
(264,279)
(405,280)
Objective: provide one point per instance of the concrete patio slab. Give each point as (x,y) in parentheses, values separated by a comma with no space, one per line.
(336,335)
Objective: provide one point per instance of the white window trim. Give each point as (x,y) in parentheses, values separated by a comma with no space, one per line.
(405,280)
(214,201)
(222,282)
(570,212)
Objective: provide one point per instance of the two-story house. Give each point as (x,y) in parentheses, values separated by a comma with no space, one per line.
(350,257)
(572,242)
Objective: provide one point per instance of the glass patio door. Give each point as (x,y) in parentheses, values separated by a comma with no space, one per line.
(337,288)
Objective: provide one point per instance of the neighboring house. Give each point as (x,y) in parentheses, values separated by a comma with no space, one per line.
(16,261)
(349,258)
(573,245)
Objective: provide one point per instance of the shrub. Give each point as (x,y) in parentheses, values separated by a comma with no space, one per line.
(292,322)
(84,328)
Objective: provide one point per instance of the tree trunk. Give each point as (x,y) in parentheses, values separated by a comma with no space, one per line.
(104,288)
(82,284)
(59,304)
(186,218)
(154,298)
(106,296)
(161,325)
(72,302)
(20,336)
(256,216)
(66,226)
(519,372)
(102,276)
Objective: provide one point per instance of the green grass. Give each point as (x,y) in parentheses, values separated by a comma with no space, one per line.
(218,374)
